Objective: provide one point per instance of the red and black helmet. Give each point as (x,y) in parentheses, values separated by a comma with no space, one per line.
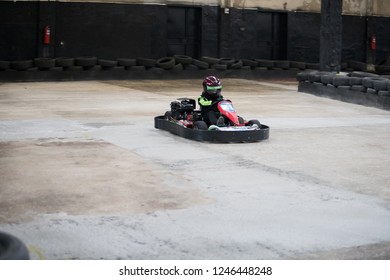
(212,86)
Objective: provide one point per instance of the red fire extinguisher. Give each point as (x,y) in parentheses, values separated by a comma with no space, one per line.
(46,35)
(373,42)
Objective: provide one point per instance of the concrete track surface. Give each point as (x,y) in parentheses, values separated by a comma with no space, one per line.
(85,175)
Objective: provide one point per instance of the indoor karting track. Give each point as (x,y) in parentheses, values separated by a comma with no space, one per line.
(85,175)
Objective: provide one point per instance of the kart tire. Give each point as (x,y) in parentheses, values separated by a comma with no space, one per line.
(367,82)
(127,62)
(21,65)
(269,64)
(249,62)
(313,66)
(218,66)
(227,61)
(106,63)
(177,68)
(384,93)
(340,81)
(359,88)
(380,84)
(190,67)
(73,68)
(156,70)
(304,76)
(252,122)
(137,68)
(147,62)
(183,59)
(210,60)
(355,81)
(166,63)
(64,62)
(200,64)
(282,64)
(168,115)
(11,248)
(44,63)
(370,82)
(200,125)
(361,74)
(297,65)
(315,77)
(87,61)
(237,64)
(327,78)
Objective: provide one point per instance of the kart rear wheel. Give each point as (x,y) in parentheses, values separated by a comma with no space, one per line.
(200,125)
(168,115)
(252,122)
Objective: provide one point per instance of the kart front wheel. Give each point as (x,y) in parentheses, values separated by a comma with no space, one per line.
(200,125)
(252,122)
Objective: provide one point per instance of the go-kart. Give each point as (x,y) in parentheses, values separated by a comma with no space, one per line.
(184,120)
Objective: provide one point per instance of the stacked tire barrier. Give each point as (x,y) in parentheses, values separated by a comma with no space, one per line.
(90,67)
(357,87)
(176,66)
(176,62)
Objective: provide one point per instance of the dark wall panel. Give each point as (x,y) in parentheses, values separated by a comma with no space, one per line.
(264,35)
(210,31)
(184,31)
(280,31)
(238,34)
(380,26)
(304,37)
(354,38)
(118,30)
(304,30)
(253,34)
(18,30)
(110,30)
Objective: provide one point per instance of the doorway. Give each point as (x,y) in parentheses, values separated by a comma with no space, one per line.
(184,31)
(271,31)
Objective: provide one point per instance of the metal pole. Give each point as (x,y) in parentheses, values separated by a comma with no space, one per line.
(331,35)
(370,53)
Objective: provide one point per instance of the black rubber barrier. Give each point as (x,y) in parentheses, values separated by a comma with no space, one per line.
(369,97)
(78,73)
(176,66)
(356,87)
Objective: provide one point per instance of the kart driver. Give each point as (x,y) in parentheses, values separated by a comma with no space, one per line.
(209,99)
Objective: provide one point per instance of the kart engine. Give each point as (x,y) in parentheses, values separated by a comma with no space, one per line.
(182,107)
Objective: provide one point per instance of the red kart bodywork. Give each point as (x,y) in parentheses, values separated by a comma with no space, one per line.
(226,108)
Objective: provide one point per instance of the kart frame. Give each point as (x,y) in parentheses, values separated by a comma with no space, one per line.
(216,136)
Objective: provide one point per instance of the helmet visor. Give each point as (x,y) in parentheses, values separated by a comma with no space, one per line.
(213,89)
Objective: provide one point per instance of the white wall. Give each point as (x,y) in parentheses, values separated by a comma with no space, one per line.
(350,7)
